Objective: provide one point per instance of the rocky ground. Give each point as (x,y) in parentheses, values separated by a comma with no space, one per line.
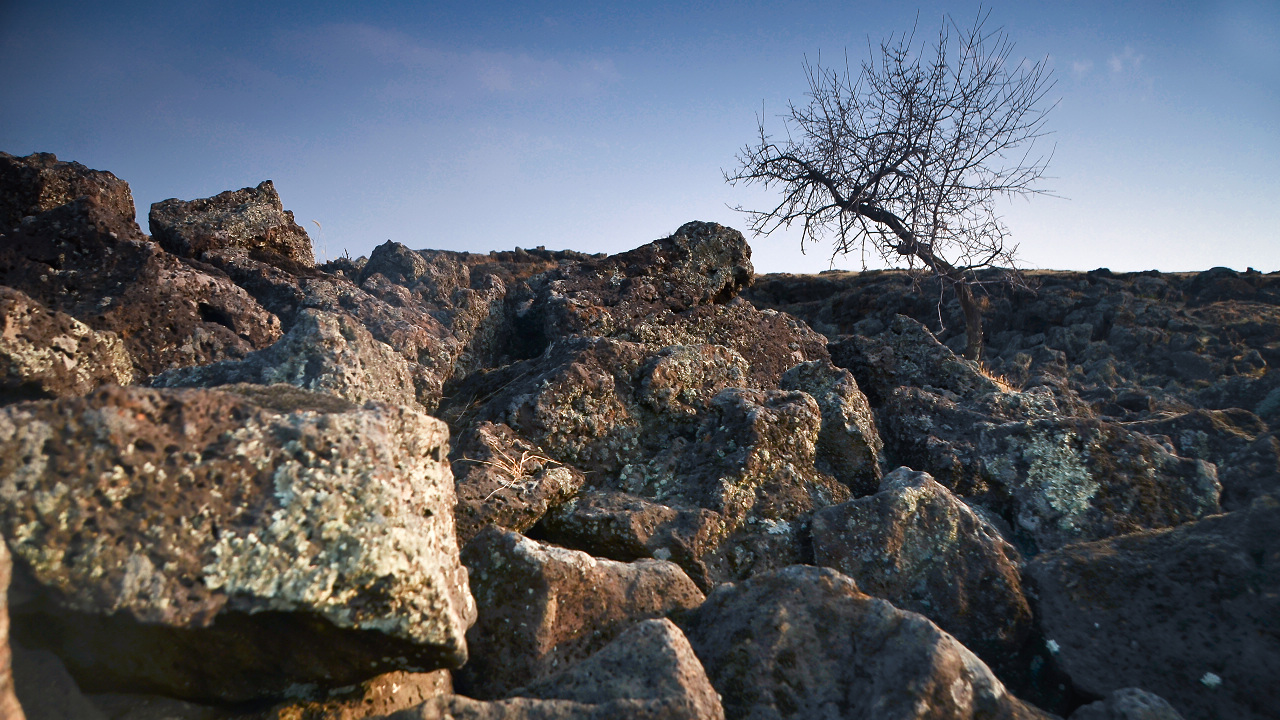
(427,484)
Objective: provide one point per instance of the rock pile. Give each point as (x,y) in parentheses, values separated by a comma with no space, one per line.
(532,484)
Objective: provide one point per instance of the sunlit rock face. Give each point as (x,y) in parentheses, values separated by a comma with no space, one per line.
(190,541)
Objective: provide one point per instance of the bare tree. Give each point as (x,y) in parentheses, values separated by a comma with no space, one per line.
(906,159)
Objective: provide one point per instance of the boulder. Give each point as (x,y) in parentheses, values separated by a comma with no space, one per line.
(1187,613)
(502,479)
(649,672)
(86,260)
(40,182)
(1128,704)
(922,549)
(626,527)
(849,446)
(543,607)
(46,690)
(216,546)
(45,353)
(251,219)
(805,642)
(323,352)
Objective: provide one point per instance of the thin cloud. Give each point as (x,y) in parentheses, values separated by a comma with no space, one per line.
(1126,61)
(410,66)
(1080,68)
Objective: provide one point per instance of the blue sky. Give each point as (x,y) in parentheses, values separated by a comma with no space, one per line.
(599,127)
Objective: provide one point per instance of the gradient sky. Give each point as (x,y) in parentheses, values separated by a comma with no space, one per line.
(599,127)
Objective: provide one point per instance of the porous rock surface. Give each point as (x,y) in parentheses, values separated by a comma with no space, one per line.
(918,546)
(805,642)
(543,607)
(1188,613)
(648,672)
(616,413)
(186,513)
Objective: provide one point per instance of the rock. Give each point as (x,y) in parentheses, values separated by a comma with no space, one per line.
(45,353)
(40,182)
(805,642)
(86,260)
(702,263)
(1071,480)
(542,607)
(648,672)
(214,546)
(1187,613)
(323,352)
(251,219)
(1236,441)
(922,549)
(375,697)
(504,480)
(9,708)
(625,527)
(1128,704)
(849,446)
(46,690)
(122,706)
(906,353)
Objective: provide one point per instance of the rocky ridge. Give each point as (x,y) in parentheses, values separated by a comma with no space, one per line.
(235,483)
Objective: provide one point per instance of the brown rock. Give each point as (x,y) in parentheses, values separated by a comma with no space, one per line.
(208,546)
(649,672)
(922,549)
(46,690)
(543,608)
(251,219)
(38,182)
(375,697)
(9,708)
(95,265)
(805,642)
(625,527)
(45,353)
(1187,613)
(504,480)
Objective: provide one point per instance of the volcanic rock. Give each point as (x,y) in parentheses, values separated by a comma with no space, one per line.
(649,672)
(45,353)
(9,708)
(1187,613)
(251,219)
(375,697)
(805,642)
(542,607)
(40,182)
(1128,704)
(323,352)
(214,546)
(922,549)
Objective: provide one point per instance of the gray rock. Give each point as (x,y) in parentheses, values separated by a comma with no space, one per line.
(1128,704)
(922,549)
(805,642)
(1187,613)
(214,546)
(849,446)
(323,352)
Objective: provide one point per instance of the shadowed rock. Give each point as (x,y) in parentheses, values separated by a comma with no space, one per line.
(805,642)
(1188,613)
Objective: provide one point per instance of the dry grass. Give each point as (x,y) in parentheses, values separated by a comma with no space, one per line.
(518,470)
(1002,382)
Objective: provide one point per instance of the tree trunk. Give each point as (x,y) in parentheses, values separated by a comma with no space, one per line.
(972,319)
